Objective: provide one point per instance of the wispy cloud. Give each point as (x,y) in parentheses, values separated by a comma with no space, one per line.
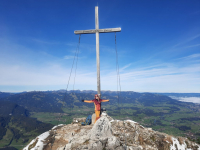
(123,68)
(159,78)
(72,57)
(187,40)
(190,46)
(45,42)
(164,77)
(184,45)
(193,56)
(39,68)
(68,57)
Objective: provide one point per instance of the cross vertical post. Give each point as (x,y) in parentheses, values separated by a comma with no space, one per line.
(97,51)
(97,31)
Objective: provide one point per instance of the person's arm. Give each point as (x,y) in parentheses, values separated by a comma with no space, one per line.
(105,100)
(87,101)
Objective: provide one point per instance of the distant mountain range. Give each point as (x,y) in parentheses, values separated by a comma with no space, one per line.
(53,101)
(181,94)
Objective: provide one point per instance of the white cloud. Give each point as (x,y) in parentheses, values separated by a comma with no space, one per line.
(193,56)
(123,68)
(30,68)
(192,46)
(40,41)
(69,57)
(158,78)
(166,77)
(187,99)
(187,40)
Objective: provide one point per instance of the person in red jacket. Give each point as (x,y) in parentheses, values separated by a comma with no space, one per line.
(97,103)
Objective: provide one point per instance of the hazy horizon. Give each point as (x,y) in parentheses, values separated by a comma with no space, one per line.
(101,91)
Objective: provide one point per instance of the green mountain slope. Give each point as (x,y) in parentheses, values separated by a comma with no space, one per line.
(5,94)
(16,127)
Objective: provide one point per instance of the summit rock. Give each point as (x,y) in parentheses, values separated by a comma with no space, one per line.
(108,134)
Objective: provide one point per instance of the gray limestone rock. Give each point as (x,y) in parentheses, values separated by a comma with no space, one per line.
(95,146)
(102,128)
(78,120)
(93,118)
(113,143)
(101,135)
(109,134)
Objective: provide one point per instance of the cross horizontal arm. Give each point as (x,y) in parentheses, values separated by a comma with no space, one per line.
(97,30)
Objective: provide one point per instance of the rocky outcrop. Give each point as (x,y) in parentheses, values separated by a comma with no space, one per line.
(109,134)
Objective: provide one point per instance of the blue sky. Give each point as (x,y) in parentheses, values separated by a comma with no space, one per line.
(158,47)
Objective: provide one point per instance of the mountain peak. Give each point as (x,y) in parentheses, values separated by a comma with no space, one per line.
(110,134)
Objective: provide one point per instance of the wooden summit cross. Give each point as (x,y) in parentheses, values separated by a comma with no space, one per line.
(97,31)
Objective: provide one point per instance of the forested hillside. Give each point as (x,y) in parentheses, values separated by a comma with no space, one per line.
(16,127)
(5,94)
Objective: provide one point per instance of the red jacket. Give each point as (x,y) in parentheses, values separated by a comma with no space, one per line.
(97,103)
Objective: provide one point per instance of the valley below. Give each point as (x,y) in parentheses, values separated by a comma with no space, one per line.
(26,115)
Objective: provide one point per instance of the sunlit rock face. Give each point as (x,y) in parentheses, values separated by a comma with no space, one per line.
(108,134)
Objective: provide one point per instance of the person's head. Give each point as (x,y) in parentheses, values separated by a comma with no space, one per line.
(96,96)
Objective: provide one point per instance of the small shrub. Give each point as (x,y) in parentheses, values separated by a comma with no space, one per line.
(181,140)
(188,146)
(33,145)
(153,138)
(176,146)
(141,140)
(86,142)
(169,139)
(78,130)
